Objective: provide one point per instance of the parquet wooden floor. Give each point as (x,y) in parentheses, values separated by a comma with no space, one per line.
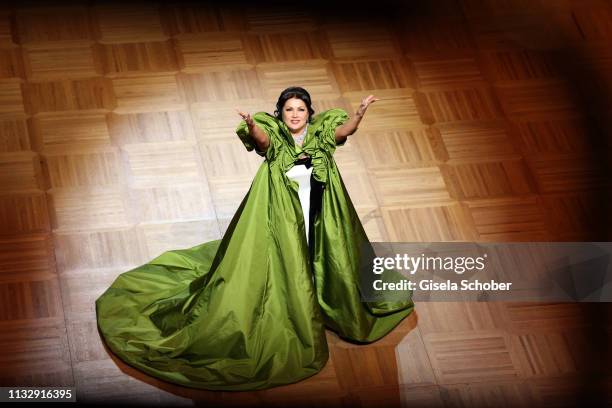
(117,143)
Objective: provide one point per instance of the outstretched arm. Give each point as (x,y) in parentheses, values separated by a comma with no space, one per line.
(259,136)
(350,126)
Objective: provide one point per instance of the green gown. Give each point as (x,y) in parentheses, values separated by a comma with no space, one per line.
(244,312)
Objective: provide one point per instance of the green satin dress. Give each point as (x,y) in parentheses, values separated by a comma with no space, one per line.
(244,312)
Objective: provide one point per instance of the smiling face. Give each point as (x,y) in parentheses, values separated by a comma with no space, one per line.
(295,115)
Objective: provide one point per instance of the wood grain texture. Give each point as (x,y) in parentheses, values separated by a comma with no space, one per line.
(313,75)
(518,392)
(397,109)
(436,317)
(567,173)
(149,127)
(467,142)
(81,169)
(504,31)
(96,207)
(434,35)
(163,163)
(42,27)
(536,99)
(35,353)
(147,94)
(122,23)
(355,75)
(26,257)
(281,18)
(15,304)
(221,86)
(33,215)
(20,171)
(161,237)
(117,247)
(551,354)
(509,219)
(65,131)
(571,215)
(461,357)
(11,99)
(460,104)
(220,123)
(185,19)
(120,60)
(594,22)
(60,63)
(218,158)
(288,46)
(172,203)
(553,136)
(11,63)
(213,52)
(7,39)
(488,179)
(442,72)
(514,65)
(357,40)
(14,135)
(445,223)
(417,186)
(94,94)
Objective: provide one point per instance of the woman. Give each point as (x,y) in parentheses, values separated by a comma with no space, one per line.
(249,311)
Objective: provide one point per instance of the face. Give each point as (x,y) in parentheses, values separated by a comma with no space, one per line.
(295,114)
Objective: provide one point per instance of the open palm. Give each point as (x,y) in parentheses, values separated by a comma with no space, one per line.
(365,102)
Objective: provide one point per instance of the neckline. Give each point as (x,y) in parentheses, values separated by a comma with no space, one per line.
(303,131)
(314,123)
(303,134)
(290,135)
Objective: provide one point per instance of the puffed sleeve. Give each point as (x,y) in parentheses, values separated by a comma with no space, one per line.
(328,122)
(268,124)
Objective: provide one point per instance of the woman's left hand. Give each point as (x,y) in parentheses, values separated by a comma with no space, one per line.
(365,102)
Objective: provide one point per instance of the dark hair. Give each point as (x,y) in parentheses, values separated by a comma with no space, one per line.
(293,92)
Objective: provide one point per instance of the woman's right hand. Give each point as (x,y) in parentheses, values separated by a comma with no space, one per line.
(257,134)
(247,118)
